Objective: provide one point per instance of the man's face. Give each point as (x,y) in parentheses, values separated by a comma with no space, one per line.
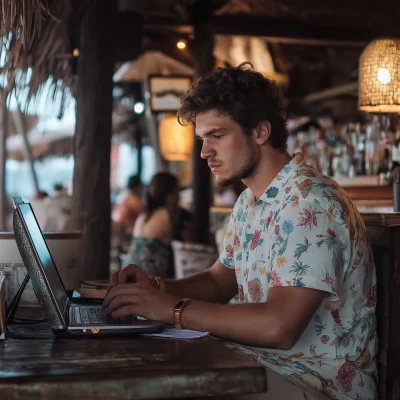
(230,153)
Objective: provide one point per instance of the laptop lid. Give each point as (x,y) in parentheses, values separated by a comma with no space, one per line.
(40,265)
(47,283)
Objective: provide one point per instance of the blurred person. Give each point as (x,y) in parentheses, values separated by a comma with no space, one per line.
(161,222)
(39,207)
(57,209)
(126,210)
(296,251)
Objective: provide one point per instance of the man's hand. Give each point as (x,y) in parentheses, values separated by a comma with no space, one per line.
(129,274)
(140,298)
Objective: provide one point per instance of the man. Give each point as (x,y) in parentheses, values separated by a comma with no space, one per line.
(296,250)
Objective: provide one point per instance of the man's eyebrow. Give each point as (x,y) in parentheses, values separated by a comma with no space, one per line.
(211,132)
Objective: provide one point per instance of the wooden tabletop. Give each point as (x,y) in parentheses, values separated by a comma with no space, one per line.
(134,367)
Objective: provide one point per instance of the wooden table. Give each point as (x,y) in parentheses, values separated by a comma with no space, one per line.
(134,367)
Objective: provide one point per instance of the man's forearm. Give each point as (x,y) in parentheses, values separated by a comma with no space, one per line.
(277,323)
(201,286)
(248,324)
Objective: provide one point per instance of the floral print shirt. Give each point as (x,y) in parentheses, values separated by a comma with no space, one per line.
(305,231)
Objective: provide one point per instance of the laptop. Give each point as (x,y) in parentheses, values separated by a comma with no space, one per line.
(65,317)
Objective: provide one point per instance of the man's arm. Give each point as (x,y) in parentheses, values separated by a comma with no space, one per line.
(216,285)
(277,323)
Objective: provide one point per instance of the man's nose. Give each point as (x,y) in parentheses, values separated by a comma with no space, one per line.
(207,151)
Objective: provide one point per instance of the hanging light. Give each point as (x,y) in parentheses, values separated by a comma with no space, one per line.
(379,80)
(176,141)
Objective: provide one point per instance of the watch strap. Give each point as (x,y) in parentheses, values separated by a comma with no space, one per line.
(179,306)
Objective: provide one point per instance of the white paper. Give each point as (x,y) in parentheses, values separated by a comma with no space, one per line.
(173,333)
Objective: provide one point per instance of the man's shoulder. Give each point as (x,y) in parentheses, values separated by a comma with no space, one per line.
(313,186)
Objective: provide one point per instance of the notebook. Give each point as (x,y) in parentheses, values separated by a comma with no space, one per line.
(66,317)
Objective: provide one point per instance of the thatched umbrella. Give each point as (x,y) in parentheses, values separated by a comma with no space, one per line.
(35,47)
(34,56)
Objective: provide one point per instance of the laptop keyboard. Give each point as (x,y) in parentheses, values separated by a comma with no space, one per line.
(90,316)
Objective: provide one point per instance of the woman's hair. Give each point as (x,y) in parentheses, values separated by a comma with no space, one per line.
(162,185)
(243,94)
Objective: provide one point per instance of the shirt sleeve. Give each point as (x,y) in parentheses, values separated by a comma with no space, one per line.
(310,249)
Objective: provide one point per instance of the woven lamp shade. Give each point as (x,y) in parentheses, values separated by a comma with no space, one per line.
(176,141)
(379,76)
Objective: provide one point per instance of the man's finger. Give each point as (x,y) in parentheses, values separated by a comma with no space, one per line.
(114,278)
(108,290)
(128,274)
(126,311)
(121,301)
(123,289)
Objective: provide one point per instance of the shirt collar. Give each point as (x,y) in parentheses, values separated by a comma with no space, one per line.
(281,179)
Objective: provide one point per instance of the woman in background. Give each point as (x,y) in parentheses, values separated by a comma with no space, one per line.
(157,226)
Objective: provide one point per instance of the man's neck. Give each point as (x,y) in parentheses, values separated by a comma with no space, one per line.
(271,162)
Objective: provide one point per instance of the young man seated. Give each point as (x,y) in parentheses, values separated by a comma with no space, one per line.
(296,251)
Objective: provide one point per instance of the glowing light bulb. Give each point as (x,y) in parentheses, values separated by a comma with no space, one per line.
(138,107)
(181,45)
(384,75)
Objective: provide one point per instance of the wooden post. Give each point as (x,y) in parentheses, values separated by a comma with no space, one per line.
(204,62)
(91,195)
(3,158)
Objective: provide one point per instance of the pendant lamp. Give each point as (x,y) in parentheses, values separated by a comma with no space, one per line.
(176,141)
(379,76)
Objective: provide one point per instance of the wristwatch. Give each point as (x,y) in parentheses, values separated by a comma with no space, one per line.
(179,306)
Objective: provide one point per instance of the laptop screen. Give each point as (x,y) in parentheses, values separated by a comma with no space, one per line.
(49,268)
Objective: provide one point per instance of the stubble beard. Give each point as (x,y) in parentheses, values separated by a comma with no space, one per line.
(246,171)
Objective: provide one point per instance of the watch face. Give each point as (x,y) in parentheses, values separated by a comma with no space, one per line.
(179,304)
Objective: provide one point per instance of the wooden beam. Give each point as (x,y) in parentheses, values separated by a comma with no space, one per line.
(279,29)
(204,62)
(91,195)
(285,28)
(330,93)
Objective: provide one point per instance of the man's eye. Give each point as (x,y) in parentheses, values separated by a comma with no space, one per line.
(217,136)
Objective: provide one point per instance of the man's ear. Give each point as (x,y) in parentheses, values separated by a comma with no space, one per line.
(263,132)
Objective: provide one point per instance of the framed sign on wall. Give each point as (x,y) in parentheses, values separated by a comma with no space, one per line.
(166,91)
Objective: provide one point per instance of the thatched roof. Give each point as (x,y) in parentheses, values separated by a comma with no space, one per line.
(43,145)
(35,46)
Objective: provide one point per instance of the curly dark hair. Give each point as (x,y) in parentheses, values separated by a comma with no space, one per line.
(243,94)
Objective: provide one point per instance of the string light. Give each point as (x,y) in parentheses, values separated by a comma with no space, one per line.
(181,45)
